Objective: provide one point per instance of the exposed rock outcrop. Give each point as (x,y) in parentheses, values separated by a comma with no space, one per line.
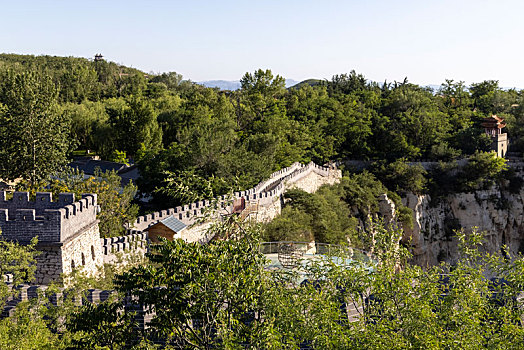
(498,213)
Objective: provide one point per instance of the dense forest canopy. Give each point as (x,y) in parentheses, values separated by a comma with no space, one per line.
(180,132)
(218,295)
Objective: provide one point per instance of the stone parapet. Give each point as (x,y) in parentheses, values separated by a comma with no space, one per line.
(67,231)
(265,193)
(27,292)
(52,221)
(133,243)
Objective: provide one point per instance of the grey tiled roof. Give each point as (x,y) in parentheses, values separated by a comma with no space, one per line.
(89,166)
(125,172)
(173,224)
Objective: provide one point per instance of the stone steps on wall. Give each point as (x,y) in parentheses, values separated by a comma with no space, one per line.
(264,192)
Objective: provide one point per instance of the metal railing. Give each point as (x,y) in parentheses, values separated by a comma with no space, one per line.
(314,248)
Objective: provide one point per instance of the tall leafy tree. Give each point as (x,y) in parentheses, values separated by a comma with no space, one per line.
(483,95)
(134,123)
(34,135)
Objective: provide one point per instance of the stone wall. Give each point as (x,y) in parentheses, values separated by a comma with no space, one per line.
(84,252)
(22,219)
(67,231)
(49,264)
(91,296)
(269,211)
(266,195)
(123,248)
(197,233)
(311,181)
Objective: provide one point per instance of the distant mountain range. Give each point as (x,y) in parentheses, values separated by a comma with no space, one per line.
(234,84)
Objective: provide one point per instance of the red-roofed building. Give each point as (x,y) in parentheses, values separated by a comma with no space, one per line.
(493,126)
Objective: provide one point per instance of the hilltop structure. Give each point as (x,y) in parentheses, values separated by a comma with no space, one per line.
(493,126)
(67,231)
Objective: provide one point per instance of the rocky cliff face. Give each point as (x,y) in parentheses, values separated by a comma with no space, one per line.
(498,213)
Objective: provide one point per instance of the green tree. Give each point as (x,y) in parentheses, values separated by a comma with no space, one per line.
(114,197)
(482,170)
(109,326)
(412,125)
(323,217)
(483,95)
(258,95)
(400,176)
(171,80)
(88,120)
(134,124)
(19,263)
(455,94)
(202,294)
(26,329)
(219,295)
(34,137)
(347,83)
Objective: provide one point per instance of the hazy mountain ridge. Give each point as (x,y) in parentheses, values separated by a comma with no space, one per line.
(234,84)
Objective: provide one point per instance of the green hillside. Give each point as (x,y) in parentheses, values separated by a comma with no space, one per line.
(308,82)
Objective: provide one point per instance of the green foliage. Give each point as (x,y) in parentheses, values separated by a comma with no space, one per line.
(34,137)
(88,123)
(185,136)
(108,327)
(482,170)
(134,124)
(119,157)
(168,125)
(27,330)
(361,192)
(292,224)
(484,96)
(322,216)
(399,176)
(18,262)
(113,197)
(219,295)
(333,213)
(188,187)
(216,284)
(443,179)
(444,152)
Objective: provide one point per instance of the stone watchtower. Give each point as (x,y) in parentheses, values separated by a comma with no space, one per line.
(67,231)
(493,127)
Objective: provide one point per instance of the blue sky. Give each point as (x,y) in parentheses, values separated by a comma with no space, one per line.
(427,41)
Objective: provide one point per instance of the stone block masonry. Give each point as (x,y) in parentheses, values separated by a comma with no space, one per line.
(69,238)
(67,231)
(123,248)
(267,196)
(27,292)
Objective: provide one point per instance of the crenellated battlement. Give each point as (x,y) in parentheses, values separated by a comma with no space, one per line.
(265,193)
(52,221)
(133,243)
